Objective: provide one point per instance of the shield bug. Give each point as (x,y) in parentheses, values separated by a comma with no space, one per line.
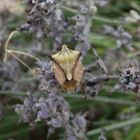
(67,67)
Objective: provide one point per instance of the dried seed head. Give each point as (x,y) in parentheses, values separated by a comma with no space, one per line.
(130,78)
(67,68)
(130,69)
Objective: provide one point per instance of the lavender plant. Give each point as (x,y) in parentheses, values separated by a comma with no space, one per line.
(107,42)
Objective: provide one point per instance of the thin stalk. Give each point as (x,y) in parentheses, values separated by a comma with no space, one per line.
(101,99)
(26,80)
(22,62)
(103,19)
(132,55)
(11,93)
(23,53)
(106,20)
(7,42)
(114,126)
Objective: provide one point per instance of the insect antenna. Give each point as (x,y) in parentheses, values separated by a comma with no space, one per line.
(50,36)
(72,39)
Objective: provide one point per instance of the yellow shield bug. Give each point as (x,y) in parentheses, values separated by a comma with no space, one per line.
(67,68)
